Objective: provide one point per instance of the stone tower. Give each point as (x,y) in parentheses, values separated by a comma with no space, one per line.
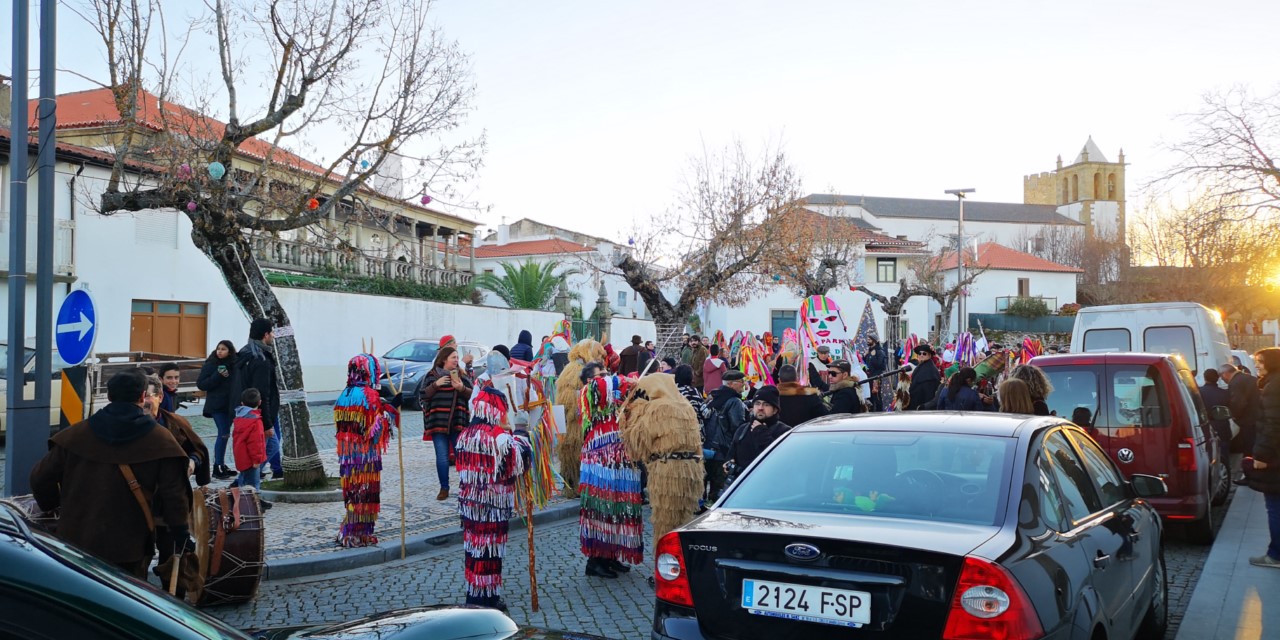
(1090,189)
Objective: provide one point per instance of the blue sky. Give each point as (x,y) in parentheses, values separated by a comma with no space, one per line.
(592,109)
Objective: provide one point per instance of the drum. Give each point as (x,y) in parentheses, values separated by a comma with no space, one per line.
(26,505)
(230,542)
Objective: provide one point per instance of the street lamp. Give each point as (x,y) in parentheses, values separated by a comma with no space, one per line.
(963,311)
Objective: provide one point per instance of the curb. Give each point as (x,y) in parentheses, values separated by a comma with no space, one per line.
(346,559)
(303,497)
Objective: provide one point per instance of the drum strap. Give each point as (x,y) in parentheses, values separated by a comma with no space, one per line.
(220,533)
(235,508)
(136,488)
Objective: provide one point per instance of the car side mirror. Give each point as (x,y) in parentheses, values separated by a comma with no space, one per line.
(1219,412)
(1145,486)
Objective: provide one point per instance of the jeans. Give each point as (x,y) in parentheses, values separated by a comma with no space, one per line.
(250,477)
(1273,522)
(222,420)
(443,445)
(273,451)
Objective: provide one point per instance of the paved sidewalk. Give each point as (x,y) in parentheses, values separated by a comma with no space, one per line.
(1234,600)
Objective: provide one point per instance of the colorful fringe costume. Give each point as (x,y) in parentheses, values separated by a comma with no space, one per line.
(660,428)
(610,523)
(364,424)
(568,393)
(490,459)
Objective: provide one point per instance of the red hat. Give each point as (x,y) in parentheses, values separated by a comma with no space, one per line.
(448,341)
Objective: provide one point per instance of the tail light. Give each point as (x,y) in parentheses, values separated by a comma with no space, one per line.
(989,605)
(670,575)
(1187,455)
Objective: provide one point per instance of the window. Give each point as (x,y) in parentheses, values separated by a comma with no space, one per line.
(1047,495)
(170,328)
(1106,480)
(1177,340)
(780,320)
(1076,489)
(886,269)
(1075,188)
(1105,340)
(1097,186)
(1075,394)
(1137,397)
(622,298)
(1111,186)
(1024,287)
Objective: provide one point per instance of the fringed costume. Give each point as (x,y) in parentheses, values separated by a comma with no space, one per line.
(364,423)
(490,459)
(660,428)
(610,521)
(568,386)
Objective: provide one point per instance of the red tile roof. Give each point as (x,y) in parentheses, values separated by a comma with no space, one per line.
(66,150)
(874,242)
(1002,258)
(548,247)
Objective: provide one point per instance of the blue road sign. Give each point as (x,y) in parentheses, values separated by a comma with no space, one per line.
(76,327)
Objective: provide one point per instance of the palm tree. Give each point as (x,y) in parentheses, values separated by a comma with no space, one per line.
(527,285)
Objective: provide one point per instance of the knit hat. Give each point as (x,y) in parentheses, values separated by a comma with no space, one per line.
(448,341)
(259,328)
(769,394)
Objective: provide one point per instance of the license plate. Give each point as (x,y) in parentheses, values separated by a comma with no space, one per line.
(810,604)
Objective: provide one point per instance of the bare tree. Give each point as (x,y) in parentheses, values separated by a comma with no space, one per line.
(376,77)
(815,253)
(931,275)
(717,239)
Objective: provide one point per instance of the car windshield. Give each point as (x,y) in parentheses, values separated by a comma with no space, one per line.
(414,351)
(919,476)
(198,621)
(27,355)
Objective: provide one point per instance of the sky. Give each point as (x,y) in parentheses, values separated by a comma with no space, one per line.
(592,110)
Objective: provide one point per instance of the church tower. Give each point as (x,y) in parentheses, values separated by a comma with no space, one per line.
(1090,190)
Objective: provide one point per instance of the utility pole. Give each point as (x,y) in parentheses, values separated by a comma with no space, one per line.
(963,312)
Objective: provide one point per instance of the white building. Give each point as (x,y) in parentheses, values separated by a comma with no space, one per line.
(1008,275)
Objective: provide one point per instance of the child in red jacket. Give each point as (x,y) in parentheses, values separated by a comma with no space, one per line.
(249,441)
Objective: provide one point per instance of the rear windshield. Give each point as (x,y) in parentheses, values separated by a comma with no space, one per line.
(1177,340)
(1075,394)
(1135,396)
(921,476)
(1113,340)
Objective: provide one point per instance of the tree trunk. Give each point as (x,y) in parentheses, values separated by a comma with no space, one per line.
(234,257)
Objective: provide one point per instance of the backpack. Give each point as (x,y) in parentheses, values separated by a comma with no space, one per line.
(717,433)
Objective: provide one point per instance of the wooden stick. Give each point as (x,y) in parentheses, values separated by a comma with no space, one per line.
(400,453)
(173,575)
(533,574)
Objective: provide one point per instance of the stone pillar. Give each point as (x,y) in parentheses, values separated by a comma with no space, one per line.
(604,313)
(472,263)
(434,244)
(563,302)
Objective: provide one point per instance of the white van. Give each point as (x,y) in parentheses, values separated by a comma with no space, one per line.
(1190,330)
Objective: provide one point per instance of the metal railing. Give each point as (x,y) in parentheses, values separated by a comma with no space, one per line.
(302,257)
(63,233)
(1003,302)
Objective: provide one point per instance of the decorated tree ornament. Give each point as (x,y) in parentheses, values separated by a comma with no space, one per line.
(216,170)
(426,200)
(191,205)
(184,171)
(313,204)
(364,164)
(777,278)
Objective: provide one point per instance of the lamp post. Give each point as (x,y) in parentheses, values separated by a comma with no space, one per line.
(963,311)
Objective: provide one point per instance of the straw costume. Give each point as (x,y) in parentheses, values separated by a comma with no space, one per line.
(489,458)
(364,422)
(568,386)
(660,428)
(610,522)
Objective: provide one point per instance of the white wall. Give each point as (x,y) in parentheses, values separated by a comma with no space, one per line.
(937,231)
(998,283)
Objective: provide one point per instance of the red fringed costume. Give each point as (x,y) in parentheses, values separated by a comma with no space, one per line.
(611,525)
(364,424)
(490,459)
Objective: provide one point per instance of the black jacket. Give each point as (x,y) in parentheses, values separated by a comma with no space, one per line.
(727,401)
(216,387)
(1266,445)
(800,404)
(966,399)
(256,369)
(925,381)
(877,360)
(523,349)
(844,397)
(1215,396)
(1245,406)
(752,439)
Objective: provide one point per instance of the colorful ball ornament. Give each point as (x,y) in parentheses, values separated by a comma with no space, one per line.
(364,164)
(313,204)
(216,170)
(184,171)
(426,200)
(191,206)
(777,278)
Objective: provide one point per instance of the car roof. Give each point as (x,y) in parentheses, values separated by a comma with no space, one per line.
(1107,357)
(1005,425)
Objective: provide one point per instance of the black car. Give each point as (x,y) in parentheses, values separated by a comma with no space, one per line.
(49,589)
(921,525)
(408,363)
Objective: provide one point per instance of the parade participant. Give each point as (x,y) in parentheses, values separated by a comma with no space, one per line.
(490,459)
(925,378)
(610,524)
(661,429)
(168,538)
(364,422)
(800,403)
(444,395)
(568,386)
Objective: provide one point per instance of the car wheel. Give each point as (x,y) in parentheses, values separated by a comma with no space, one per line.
(1222,483)
(1156,622)
(1201,531)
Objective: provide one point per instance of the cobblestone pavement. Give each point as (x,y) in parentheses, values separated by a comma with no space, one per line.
(570,601)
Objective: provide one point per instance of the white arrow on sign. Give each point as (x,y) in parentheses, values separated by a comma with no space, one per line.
(83,326)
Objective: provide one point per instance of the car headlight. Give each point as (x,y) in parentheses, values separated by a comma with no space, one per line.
(411,375)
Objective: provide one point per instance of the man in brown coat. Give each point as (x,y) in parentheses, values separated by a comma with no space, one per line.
(82,474)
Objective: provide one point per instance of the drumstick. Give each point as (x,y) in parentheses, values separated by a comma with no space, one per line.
(173,575)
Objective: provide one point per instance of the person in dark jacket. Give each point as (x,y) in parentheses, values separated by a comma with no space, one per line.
(256,369)
(1216,396)
(1264,468)
(696,360)
(960,394)
(877,361)
(799,403)
(215,381)
(1243,399)
(82,474)
(629,358)
(167,538)
(1037,383)
(925,379)
(726,414)
(752,439)
(524,347)
(843,396)
(445,395)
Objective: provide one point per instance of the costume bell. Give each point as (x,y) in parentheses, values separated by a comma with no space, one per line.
(364,422)
(611,528)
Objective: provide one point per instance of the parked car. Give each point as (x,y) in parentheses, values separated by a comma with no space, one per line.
(921,525)
(49,589)
(409,362)
(1190,330)
(1146,412)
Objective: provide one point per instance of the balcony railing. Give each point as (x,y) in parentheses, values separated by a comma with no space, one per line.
(303,257)
(63,232)
(1003,302)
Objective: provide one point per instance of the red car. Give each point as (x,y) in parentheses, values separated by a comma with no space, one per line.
(1146,412)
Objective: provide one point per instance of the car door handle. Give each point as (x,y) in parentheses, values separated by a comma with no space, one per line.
(1101,560)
